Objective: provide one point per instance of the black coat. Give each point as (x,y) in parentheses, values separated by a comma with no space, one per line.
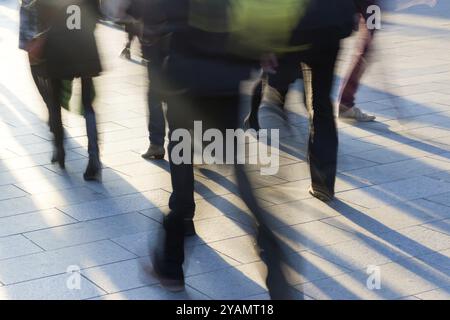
(71,53)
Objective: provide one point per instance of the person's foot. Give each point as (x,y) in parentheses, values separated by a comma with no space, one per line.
(59,156)
(93,171)
(171,278)
(322,195)
(355,114)
(154,152)
(189,227)
(126,54)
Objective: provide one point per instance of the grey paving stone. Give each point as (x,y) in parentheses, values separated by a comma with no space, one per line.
(305,267)
(437,294)
(203,259)
(442,226)
(388,218)
(397,281)
(310,235)
(347,162)
(119,187)
(137,243)
(399,170)
(361,253)
(50,184)
(114,206)
(50,288)
(38,220)
(287,192)
(216,229)
(440,260)
(418,240)
(442,198)
(156,293)
(27,174)
(121,276)
(90,231)
(50,263)
(230,283)
(242,249)
(17,245)
(10,191)
(394,192)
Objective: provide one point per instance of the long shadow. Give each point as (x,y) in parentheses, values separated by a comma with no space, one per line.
(323,251)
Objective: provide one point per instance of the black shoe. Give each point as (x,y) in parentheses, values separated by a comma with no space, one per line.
(170,277)
(154,152)
(93,171)
(188,225)
(59,156)
(321,194)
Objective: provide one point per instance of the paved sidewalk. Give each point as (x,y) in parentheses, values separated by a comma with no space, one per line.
(393,189)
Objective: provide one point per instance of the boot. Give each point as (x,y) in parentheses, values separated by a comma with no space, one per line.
(59,156)
(94,169)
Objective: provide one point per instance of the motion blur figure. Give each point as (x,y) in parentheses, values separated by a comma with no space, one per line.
(363,50)
(347,96)
(201,81)
(70,51)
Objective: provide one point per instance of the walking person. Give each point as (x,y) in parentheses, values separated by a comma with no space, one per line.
(364,48)
(202,78)
(153,53)
(71,52)
(351,83)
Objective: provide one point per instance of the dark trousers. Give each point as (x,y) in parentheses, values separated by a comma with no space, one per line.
(156,122)
(219,112)
(318,65)
(55,121)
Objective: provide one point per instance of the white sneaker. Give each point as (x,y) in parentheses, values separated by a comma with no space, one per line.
(356,114)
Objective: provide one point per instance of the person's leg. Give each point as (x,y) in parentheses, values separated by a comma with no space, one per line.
(157,122)
(323,142)
(219,113)
(93,170)
(352,81)
(53,89)
(252,121)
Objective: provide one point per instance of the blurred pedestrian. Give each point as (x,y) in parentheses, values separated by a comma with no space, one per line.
(202,77)
(71,52)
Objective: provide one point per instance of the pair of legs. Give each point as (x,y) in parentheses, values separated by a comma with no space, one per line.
(218,112)
(318,65)
(93,170)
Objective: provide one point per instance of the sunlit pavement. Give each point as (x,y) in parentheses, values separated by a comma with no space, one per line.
(387,236)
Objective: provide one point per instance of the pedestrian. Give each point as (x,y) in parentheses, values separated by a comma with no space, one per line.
(201,81)
(71,52)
